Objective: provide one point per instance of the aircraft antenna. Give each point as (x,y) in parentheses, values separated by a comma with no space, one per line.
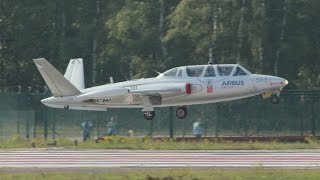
(156,71)
(210,57)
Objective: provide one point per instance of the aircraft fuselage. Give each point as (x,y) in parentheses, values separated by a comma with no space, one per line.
(203,91)
(180,86)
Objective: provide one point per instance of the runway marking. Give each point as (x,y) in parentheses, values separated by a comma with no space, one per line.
(126,158)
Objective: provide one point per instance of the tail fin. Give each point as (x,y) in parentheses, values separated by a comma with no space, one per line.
(58,85)
(74,73)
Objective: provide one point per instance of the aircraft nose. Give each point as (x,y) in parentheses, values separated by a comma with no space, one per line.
(284,82)
(278,81)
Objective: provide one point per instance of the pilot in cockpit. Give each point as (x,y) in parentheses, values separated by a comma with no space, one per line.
(191,73)
(239,72)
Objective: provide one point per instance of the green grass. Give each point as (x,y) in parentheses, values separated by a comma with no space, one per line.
(167,144)
(172,174)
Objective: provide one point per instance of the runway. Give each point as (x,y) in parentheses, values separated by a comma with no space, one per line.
(157,159)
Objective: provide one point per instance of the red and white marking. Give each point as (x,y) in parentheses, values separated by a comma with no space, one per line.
(126,158)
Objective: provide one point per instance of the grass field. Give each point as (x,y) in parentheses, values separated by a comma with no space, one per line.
(167,144)
(173,174)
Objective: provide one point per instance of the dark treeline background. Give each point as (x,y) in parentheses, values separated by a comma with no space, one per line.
(127,39)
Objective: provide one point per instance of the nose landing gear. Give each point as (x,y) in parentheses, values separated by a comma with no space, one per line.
(275,99)
(274,96)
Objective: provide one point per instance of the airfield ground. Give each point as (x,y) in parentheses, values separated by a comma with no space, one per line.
(255,172)
(160,144)
(170,174)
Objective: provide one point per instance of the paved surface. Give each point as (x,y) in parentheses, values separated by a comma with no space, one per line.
(157,159)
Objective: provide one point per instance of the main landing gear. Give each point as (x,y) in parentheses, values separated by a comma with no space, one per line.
(181,113)
(149,115)
(66,107)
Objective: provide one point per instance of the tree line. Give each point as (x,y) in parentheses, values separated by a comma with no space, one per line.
(128,39)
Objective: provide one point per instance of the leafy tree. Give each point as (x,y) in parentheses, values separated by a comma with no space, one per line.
(129,38)
(133,36)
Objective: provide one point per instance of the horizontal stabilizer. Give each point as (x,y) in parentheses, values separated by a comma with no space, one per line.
(57,83)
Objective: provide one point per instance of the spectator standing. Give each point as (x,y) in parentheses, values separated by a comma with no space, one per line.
(197,129)
(112,127)
(86,127)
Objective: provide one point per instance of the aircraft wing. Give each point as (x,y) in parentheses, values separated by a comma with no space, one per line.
(158,90)
(163,88)
(144,90)
(146,95)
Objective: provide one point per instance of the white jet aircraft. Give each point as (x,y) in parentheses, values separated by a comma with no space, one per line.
(180,86)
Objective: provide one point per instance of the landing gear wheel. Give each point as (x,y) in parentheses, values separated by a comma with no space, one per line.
(66,107)
(181,112)
(275,99)
(149,115)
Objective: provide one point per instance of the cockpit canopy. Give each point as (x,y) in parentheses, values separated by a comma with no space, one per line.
(206,71)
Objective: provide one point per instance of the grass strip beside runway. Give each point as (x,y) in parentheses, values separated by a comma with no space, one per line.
(164,144)
(185,174)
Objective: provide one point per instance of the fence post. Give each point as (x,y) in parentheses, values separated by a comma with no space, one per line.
(183,128)
(171,122)
(1,128)
(263,119)
(18,97)
(217,120)
(151,128)
(102,124)
(301,124)
(44,117)
(97,125)
(53,115)
(35,123)
(18,121)
(297,113)
(313,121)
(245,116)
(28,126)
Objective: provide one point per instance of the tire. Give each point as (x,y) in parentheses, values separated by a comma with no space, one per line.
(181,112)
(149,115)
(275,100)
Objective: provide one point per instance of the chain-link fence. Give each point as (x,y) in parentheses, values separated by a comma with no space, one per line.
(296,115)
